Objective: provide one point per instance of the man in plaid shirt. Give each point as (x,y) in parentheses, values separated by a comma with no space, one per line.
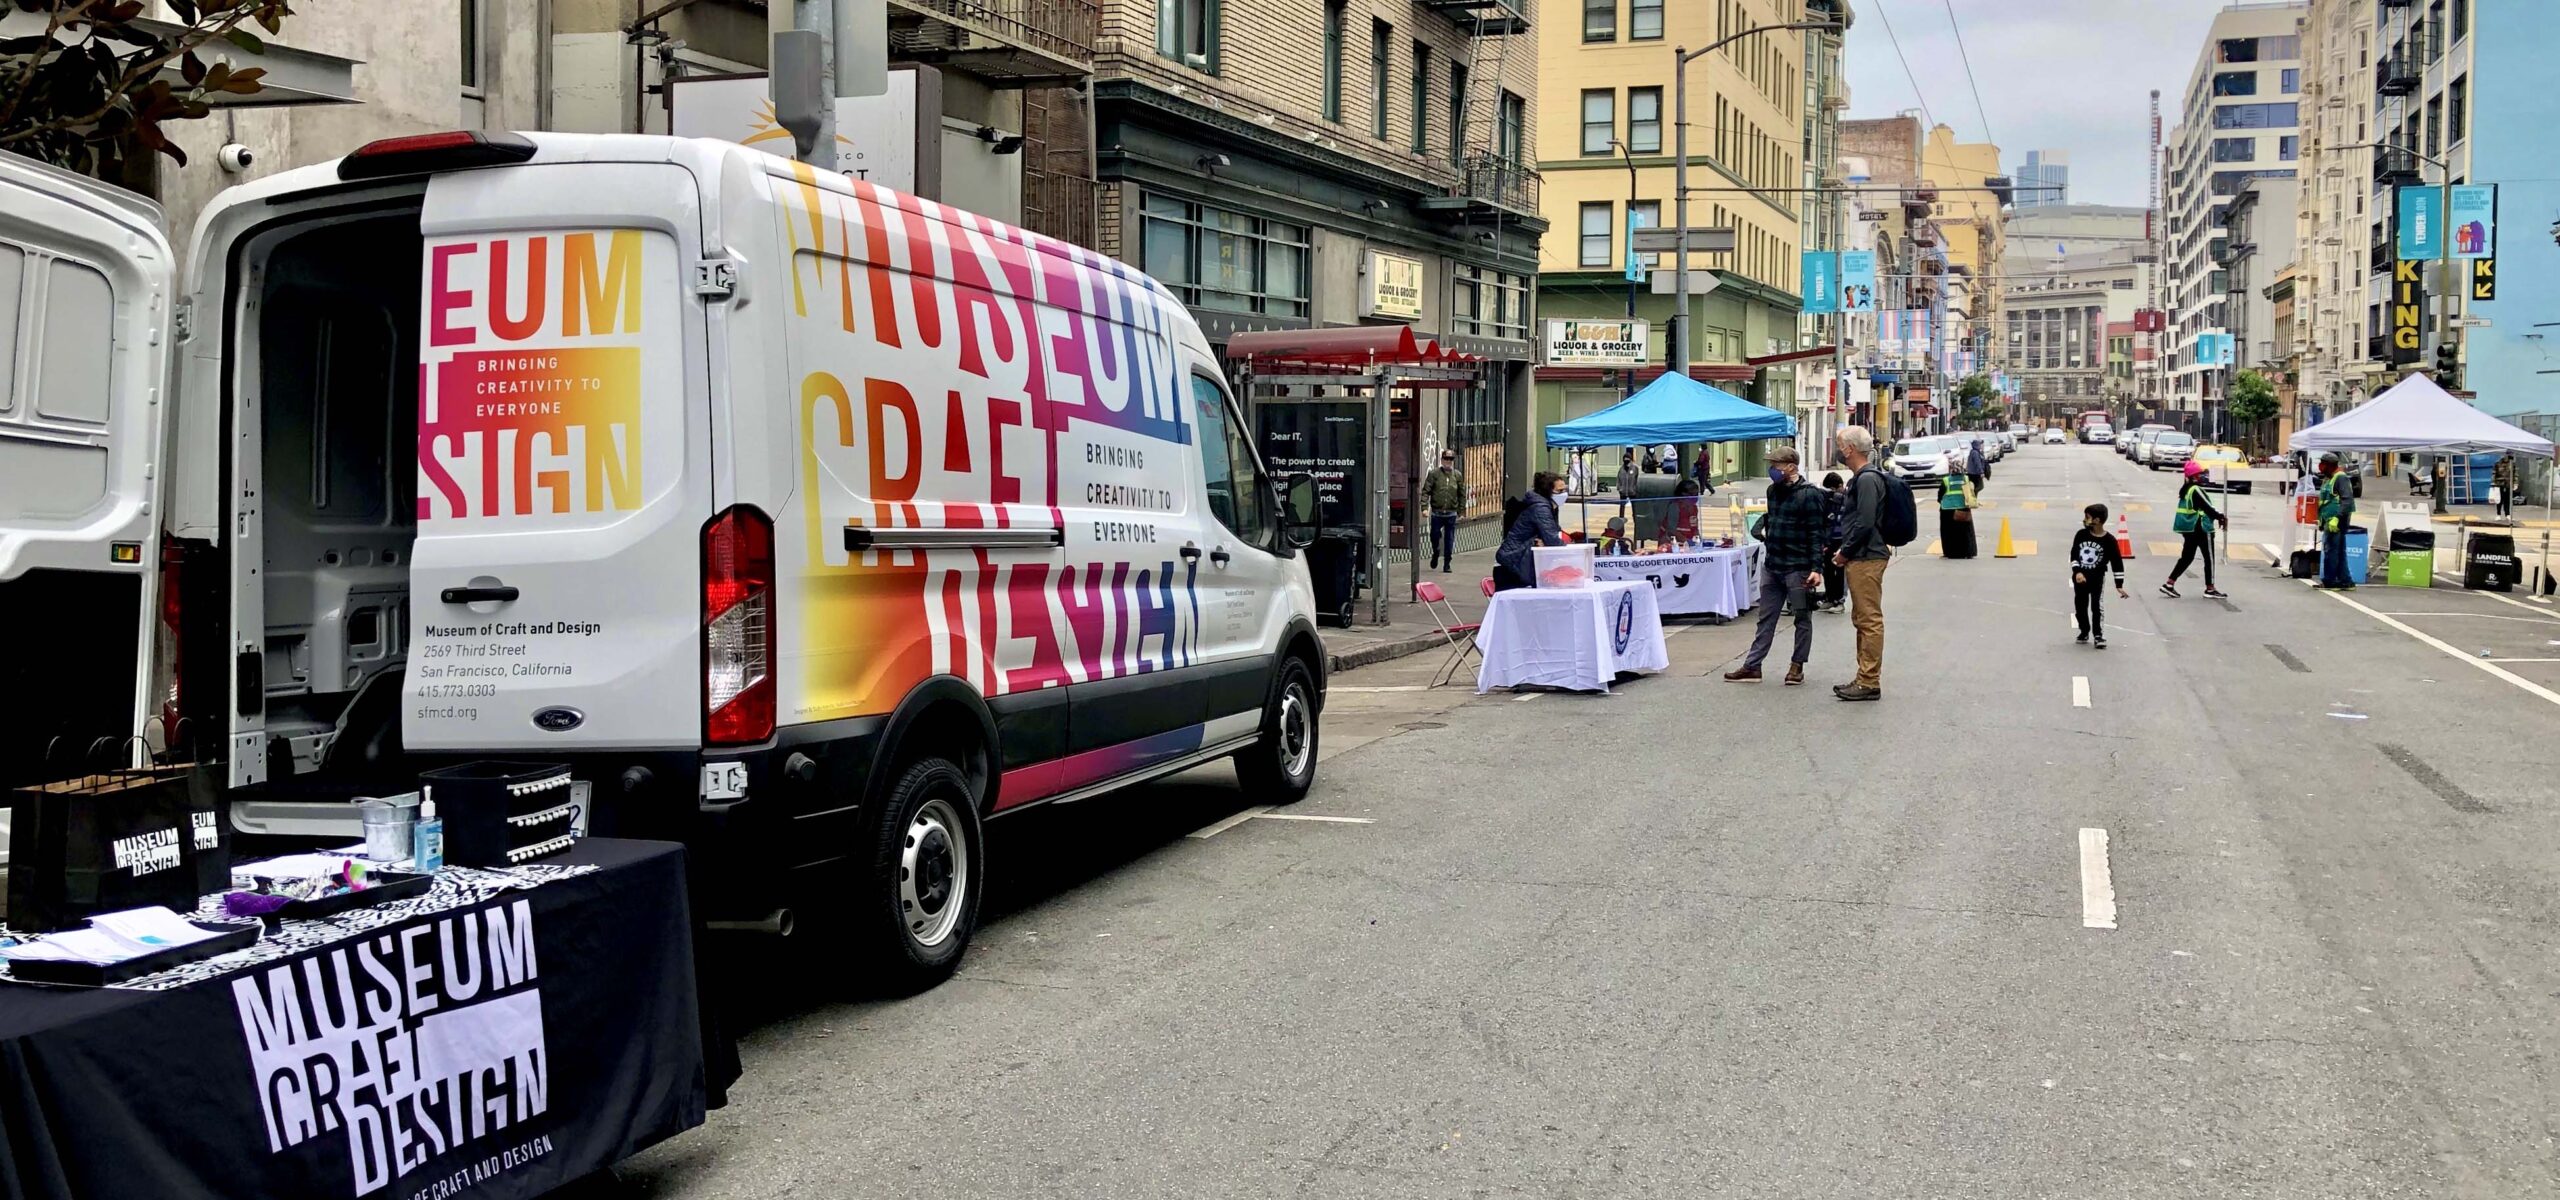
(1792,533)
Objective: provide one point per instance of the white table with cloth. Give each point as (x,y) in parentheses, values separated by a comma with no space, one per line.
(1720,581)
(1574,638)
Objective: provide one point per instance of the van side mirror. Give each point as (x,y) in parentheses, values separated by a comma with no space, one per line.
(1298,509)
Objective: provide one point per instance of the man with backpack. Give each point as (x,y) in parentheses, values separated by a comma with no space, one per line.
(1881,516)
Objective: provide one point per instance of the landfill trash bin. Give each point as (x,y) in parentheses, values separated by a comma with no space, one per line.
(2490,562)
(1334,563)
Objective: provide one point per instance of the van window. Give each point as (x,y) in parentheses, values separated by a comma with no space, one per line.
(1236,494)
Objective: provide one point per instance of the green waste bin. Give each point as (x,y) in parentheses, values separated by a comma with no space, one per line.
(2412,568)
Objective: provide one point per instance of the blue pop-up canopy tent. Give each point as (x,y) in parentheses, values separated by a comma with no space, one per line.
(1674,408)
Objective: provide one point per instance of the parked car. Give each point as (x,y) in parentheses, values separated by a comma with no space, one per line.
(2167,449)
(1922,458)
(2056,437)
(639,537)
(2020,434)
(2133,445)
(2226,467)
(2098,435)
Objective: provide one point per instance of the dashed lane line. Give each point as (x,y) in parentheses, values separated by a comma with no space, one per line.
(2079,691)
(2097,882)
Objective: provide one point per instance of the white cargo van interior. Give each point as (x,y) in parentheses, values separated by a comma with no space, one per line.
(323,329)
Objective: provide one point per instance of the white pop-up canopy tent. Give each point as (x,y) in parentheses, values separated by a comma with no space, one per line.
(2416,415)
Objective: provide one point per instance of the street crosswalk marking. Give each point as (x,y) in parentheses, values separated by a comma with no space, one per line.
(2166,549)
(2032,505)
(2137,507)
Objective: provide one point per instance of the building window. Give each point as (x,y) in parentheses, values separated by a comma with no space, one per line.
(1333,16)
(1644,20)
(2235,83)
(1421,98)
(1214,258)
(2237,50)
(1599,20)
(2461,19)
(2289,81)
(1644,120)
(2457,111)
(1599,121)
(471,43)
(1457,113)
(2435,126)
(1382,41)
(1514,122)
(1595,235)
(1187,32)
(1488,303)
(2239,149)
(2257,116)
(2289,148)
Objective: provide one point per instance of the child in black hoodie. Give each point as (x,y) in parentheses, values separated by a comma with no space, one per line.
(2093,553)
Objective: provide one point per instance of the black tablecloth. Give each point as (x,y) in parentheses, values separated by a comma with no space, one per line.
(492,1051)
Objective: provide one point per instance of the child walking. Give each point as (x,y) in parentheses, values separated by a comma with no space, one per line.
(2093,554)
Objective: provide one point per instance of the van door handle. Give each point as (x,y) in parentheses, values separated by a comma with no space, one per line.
(479,595)
(1190,552)
(1220,556)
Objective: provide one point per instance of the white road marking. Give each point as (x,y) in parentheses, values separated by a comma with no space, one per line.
(1281,816)
(1398,687)
(1230,822)
(2482,616)
(2079,691)
(2456,581)
(2510,676)
(2522,660)
(2097,882)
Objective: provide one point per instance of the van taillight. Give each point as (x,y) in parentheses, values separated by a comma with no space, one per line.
(737,628)
(422,153)
(172,651)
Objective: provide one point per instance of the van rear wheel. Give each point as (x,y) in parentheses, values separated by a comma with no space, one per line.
(1281,765)
(918,904)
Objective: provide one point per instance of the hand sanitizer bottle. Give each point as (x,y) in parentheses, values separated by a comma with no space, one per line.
(426,853)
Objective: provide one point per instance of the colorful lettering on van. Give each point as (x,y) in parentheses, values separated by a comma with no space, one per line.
(955,373)
(531,393)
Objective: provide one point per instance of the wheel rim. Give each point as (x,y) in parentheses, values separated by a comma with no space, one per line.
(933,873)
(1297,731)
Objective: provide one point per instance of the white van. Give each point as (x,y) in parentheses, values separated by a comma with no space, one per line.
(810,522)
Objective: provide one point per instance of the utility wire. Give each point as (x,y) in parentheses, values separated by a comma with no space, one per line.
(1907,72)
(1969,80)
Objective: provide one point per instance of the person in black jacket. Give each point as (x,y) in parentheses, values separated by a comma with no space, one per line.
(2094,553)
(1792,536)
(1835,578)
(1534,525)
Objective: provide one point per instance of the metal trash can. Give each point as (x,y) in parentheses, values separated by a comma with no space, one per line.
(1334,564)
(2490,562)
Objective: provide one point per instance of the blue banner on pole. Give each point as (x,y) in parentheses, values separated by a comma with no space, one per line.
(2421,222)
(1858,281)
(2473,219)
(1635,261)
(1821,282)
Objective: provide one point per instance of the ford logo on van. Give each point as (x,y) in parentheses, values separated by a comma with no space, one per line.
(559,720)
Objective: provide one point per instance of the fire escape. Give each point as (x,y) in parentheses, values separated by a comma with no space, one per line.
(1042,48)
(1495,181)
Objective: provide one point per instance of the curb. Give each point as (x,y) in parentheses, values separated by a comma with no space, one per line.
(1370,655)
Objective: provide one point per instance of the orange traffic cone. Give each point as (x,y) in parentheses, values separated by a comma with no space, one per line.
(2006,549)
(2124,535)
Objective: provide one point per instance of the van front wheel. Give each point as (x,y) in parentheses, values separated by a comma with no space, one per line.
(927,872)
(1280,766)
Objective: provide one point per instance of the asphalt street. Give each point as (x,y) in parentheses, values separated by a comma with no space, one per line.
(1705,939)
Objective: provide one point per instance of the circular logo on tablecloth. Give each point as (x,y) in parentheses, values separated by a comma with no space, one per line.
(1625,630)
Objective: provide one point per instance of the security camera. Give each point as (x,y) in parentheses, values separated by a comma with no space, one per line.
(234,157)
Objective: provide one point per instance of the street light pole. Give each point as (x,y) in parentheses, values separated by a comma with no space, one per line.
(1628,153)
(1679,346)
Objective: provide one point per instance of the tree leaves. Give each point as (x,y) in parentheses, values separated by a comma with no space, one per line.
(96,86)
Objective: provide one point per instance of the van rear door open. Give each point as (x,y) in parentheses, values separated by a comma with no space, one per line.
(564,462)
(85,292)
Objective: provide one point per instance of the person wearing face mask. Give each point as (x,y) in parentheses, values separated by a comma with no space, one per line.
(1535,525)
(1791,536)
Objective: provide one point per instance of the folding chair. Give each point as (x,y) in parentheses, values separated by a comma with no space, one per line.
(1433,601)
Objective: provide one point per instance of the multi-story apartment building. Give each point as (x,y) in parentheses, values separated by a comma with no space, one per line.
(2503,127)
(1823,383)
(1606,141)
(1898,215)
(2077,228)
(2337,257)
(2255,243)
(2043,180)
(2240,119)
(1971,211)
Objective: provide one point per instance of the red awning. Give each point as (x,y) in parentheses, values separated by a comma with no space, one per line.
(1361,345)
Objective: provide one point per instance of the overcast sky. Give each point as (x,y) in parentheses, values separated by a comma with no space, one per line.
(2072,75)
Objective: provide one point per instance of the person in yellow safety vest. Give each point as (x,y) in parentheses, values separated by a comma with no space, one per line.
(1955,516)
(2195,522)
(2337,512)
